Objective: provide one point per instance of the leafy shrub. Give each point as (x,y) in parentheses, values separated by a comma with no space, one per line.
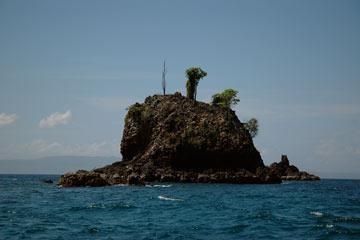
(252,126)
(226,99)
(138,113)
(194,74)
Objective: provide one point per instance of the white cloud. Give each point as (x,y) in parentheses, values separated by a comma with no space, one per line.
(6,119)
(56,119)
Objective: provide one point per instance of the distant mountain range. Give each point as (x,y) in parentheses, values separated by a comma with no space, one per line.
(53,165)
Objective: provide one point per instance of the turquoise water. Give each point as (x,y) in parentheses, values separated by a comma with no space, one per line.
(327,209)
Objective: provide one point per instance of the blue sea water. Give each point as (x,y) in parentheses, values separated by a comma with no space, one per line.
(326,209)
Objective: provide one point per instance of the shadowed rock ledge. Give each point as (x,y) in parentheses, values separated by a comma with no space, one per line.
(172,138)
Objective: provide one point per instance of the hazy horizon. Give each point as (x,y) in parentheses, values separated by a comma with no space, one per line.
(58,165)
(69,70)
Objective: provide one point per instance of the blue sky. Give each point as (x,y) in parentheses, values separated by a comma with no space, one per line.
(296,65)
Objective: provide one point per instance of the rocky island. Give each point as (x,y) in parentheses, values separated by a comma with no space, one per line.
(173,138)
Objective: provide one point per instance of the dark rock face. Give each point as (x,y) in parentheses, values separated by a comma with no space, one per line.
(102,177)
(177,132)
(83,178)
(289,172)
(175,139)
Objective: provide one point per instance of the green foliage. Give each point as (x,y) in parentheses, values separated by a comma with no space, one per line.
(138,113)
(226,99)
(194,74)
(252,126)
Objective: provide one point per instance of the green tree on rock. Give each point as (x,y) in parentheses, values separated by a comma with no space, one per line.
(194,74)
(252,126)
(226,99)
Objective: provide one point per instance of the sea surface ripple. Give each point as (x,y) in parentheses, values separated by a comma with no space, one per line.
(326,209)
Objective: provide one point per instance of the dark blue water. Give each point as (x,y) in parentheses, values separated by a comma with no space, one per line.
(327,209)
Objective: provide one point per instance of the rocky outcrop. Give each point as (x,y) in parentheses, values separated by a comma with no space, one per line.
(180,133)
(83,178)
(48,181)
(289,172)
(172,138)
(95,178)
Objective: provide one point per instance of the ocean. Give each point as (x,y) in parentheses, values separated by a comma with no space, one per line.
(326,209)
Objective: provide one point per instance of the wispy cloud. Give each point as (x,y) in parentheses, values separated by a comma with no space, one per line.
(6,119)
(56,119)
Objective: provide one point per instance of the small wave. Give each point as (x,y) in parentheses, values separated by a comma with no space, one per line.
(159,185)
(329,225)
(317,214)
(348,219)
(169,199)
(93,230)
(121,206)
(122,185)
(111,206)
(94,206)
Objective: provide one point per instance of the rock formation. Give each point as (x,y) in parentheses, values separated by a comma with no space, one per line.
(289,172)
(48,181)
(83,178)
(172,138)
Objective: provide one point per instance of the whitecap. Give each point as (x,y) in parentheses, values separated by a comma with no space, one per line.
(329,225)
(169,199)
(318,214)
(121,185)
(94,205)
(158,185)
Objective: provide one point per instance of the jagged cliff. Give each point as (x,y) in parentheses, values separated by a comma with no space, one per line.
(175,131)
(172,138)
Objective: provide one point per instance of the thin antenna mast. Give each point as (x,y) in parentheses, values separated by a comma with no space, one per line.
(163,82)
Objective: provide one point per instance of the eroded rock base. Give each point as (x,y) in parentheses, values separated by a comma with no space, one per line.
(98,178)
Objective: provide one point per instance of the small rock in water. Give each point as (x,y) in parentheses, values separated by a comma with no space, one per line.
(289,172)
(83,178)
(48,181)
